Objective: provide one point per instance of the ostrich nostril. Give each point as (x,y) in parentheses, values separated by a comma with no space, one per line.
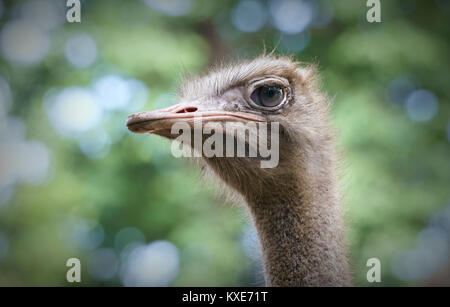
(187,110)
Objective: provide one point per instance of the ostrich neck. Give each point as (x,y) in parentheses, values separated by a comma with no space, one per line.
(301,233)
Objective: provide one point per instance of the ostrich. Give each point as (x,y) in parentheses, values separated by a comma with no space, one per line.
(295,206)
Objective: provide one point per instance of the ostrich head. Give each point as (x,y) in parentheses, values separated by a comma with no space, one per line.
(263,90)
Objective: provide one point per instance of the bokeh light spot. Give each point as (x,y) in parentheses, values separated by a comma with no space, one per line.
(249,16)
(250,243)
(73,110)
(128,235)
(46,14)
(81,51)
(421,105)
(170,7)
(399,89)
(86,234)
(323,13)
(113,92)
(96,144)
(24,43)
(103,264)
(430,254)
(291,16)
(139,96)
(155,264)
(34,162)
(21,161)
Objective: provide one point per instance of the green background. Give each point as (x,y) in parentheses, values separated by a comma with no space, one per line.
(71,185)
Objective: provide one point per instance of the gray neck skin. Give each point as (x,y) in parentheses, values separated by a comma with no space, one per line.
(302,236)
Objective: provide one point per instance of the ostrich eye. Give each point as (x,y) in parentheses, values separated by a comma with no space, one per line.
(268,95)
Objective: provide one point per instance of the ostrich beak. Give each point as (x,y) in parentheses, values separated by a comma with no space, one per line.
(160,121)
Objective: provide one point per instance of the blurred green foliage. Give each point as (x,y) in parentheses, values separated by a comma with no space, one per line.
(396,171)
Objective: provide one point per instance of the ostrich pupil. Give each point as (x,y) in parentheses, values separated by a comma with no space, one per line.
(268,96)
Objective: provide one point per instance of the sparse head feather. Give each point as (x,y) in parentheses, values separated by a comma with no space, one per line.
(226,76)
